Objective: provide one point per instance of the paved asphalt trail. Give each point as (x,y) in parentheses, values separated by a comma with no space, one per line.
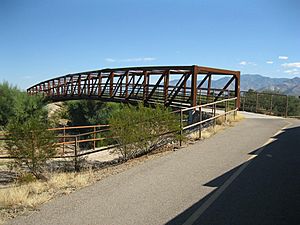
(172,188)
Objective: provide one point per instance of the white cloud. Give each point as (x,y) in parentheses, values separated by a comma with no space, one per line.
(140,59)
(283,57)
(110,60)
(269,62)
(244,63)
(289,65)
(294,71)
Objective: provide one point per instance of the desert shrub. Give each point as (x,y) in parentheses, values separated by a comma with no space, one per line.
(138,129)
(30,143)
(89,112)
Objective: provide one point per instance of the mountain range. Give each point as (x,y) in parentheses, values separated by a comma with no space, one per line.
(289,86)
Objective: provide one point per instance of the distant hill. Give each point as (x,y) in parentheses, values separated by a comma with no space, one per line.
(261,83)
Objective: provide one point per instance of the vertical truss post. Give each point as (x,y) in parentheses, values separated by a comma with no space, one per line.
(89,84)
(120,85)
(79,85)
(49,88)
(65,85)
(184,88)
(99,83)
(126,84)
(194,86)
(166,85)
(57,88)
(111,84)
(72,86)
(145,85)
(208,88)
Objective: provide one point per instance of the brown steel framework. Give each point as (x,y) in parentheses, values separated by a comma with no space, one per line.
(147,84)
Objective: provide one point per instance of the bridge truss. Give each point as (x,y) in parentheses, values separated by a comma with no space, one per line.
(177,86)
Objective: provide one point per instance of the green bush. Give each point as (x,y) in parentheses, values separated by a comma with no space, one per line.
(30,143)
(138,129)
(8,95)
(89,112)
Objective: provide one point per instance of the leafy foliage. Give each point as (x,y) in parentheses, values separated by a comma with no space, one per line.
(7,101)
(16,104)
(83,112)
(138,129)
(31,143)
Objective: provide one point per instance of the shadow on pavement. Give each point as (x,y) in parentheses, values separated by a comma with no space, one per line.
(266,192)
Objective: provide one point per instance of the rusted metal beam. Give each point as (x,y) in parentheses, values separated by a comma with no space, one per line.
(166,85)
(145,85)
(111,84)
(156,86)
(224,88)
(86,84)
(185,78)
(194,86)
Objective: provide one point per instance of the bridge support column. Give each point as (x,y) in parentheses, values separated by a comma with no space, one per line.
(237,88)
(194,86)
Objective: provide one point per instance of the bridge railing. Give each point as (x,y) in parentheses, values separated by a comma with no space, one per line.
(194,118)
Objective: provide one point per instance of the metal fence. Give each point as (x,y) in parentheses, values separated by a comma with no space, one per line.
(195,117)
(270,103)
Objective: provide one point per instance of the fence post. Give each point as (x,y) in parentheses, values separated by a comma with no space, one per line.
(256,107)
(244,101)
(181,127)
(214,110)
(226,103)
(286,106)
(64,139)
(271,107)
(76,156)
(200,124)
(94,135)
(235,110)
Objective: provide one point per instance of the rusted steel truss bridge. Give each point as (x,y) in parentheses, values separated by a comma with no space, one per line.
(176,86)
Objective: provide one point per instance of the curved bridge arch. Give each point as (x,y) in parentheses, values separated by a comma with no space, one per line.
(148,84)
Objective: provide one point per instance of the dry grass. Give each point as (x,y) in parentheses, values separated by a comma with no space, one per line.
(20,197)
(221,124)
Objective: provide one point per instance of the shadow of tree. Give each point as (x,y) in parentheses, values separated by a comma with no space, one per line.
(266,192)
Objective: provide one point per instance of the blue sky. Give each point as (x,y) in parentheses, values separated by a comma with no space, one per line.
(44,39)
